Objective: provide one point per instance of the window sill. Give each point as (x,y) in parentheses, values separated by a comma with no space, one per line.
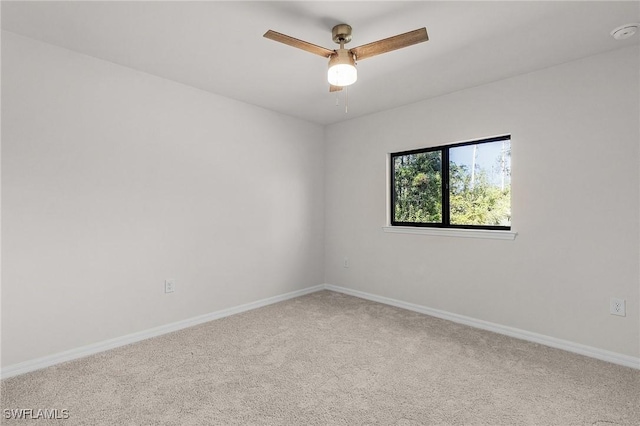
(451,232)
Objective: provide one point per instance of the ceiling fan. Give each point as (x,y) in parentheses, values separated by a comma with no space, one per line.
(342,62)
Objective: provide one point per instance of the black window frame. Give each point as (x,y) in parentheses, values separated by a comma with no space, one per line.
(444,155)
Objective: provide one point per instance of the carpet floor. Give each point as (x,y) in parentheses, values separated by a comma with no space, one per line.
(331,359)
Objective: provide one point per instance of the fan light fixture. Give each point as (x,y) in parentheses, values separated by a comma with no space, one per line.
(342,69)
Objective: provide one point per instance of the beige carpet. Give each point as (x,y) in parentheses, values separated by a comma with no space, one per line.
(331,359)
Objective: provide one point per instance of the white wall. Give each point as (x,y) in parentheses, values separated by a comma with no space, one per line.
(113,180)
(575,204)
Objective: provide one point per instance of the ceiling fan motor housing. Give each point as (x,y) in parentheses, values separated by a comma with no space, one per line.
(342,56)
(341,33)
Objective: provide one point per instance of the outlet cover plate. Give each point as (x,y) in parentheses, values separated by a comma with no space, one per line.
(169,285)
(617,307)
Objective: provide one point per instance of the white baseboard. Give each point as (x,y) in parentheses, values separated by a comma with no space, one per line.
(601,354)
(49,360)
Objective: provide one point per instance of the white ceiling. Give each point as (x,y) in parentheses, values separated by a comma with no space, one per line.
(218,46)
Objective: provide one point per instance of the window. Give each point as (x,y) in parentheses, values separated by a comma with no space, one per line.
(465,185)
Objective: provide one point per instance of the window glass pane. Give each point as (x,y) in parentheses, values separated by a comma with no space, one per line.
(480,184)
(418,187)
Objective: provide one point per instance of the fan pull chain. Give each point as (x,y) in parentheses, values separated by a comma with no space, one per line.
(346,99)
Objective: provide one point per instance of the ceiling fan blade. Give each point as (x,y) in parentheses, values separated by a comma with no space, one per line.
(333,88)
(309,47)
(389,44)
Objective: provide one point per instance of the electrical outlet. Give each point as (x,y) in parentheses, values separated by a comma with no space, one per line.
(169,285)
(617,307)
(345,262)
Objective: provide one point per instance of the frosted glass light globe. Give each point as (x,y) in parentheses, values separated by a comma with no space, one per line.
(342,69)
